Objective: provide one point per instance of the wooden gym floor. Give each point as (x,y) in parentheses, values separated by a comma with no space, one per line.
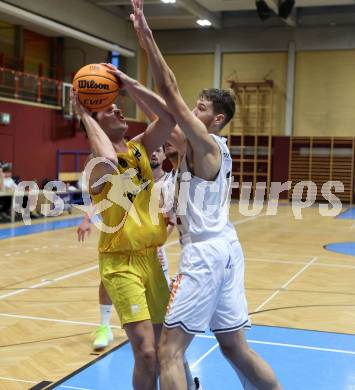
(49,288)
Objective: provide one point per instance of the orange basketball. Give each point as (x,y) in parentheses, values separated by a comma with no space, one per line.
(97,88)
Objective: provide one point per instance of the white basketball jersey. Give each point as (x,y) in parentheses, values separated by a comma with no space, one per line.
(168,189)
(201,206)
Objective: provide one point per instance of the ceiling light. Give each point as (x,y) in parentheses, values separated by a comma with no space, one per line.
(168,1)
(204,22)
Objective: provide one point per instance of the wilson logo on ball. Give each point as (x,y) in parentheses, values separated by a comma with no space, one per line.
(92,85)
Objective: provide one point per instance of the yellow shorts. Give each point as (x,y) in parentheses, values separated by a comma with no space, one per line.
(136,285)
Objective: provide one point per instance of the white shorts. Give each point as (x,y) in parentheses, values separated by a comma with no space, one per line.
(209,289)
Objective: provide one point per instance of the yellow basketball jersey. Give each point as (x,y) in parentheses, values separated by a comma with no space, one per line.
(126,217)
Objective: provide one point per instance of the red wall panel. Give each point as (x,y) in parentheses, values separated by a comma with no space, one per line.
(37,133)
(6,147)
(280,161)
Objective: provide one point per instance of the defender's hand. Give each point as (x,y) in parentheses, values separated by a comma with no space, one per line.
(139,22)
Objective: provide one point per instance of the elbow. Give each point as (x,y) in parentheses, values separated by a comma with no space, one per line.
(169,87)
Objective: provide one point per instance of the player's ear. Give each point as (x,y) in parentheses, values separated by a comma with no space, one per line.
(219,119)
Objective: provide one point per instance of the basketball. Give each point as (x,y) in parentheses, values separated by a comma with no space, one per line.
(97,88)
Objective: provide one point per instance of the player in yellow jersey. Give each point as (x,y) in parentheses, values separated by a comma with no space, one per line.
(103,333)
(120,186)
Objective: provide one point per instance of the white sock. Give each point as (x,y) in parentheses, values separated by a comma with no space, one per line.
(105,311)
(189,378)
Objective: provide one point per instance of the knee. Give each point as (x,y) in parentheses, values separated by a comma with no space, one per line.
(168,354)
(147,356)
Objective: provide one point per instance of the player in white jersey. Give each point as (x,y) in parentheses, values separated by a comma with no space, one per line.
(209,290)
(162,179)
(210,253)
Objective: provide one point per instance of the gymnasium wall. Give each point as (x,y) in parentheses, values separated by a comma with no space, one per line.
(325,93)
(36,50)
(35,134)
(324,69)
(76,54)
(260,66)
(193,72)
(7,38)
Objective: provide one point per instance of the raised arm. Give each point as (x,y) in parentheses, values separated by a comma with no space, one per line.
(100,144)
(163,123)
(205,152)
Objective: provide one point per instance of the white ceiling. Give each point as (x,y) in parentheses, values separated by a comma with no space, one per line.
(184,13)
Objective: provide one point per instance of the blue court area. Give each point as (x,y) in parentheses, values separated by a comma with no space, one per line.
(343,248)
(302,360)
(46,226)
(347,214)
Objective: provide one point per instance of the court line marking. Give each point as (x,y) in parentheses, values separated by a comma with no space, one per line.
(303,347)
(285,285)
(203,356)
(238,222)
(256,259)
(325,255)
(32,249)
(24,317)
(63,277)
(299,346)
(26,381)
(16,380)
